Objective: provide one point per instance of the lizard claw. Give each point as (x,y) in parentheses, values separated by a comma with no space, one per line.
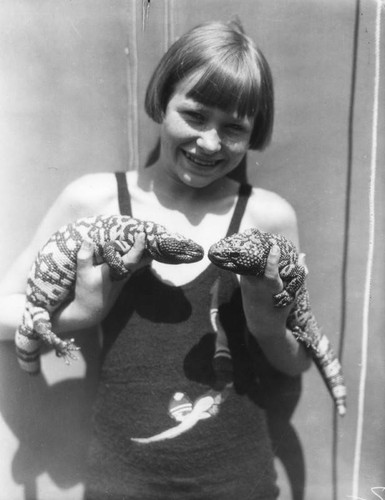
(282,299)
(66,350)
(302,336)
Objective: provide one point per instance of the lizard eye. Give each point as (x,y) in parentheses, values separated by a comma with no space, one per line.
(235,253)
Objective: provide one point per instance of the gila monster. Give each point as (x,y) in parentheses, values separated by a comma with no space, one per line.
(246,253)
(51,281)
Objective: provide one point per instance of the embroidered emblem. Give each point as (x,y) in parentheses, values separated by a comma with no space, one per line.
(180,406)
(187,414)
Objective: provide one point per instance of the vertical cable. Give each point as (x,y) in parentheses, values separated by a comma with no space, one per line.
(132,91)
(344,275)
(370,255)
(172,22)
(145,13)
(130,132)
(349,179)
(168,24)
(134,80)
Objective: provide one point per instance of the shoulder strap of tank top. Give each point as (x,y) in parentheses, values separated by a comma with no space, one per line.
(124,198)
(124,201)
(243,197)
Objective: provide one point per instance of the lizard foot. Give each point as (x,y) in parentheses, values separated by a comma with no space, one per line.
(65,350)
(282,299)
(302,336)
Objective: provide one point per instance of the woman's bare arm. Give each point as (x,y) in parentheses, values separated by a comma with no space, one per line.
(94,292)
(266,322)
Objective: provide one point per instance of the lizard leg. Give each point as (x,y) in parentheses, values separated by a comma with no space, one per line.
(112,252)
(27,344)
(295,277)
(303,337)
(43,327)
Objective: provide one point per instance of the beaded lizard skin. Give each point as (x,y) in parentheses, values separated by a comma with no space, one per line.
(246,253)
(52,277)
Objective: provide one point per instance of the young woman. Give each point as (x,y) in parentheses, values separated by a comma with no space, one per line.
(164,427)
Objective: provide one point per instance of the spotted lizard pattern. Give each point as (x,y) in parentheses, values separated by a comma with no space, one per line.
(246,253)
(51,281)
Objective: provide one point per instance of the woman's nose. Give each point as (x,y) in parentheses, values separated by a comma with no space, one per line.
(209,141)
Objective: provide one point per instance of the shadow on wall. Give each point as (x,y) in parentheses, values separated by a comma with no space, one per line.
(279,395)
(51,422)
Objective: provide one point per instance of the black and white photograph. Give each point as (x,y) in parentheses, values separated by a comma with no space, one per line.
(192,250)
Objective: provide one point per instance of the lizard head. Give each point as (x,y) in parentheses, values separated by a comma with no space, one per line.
(242,253)
(173,248)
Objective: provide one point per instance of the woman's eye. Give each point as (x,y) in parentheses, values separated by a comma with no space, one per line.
(195,116)
(235,127)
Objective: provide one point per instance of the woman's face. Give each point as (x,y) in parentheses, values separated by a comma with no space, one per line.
(200,144)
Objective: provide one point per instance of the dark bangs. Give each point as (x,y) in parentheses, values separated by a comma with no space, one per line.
(227,71)
(230,86)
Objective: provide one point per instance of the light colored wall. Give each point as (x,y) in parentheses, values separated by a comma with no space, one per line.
(73,77)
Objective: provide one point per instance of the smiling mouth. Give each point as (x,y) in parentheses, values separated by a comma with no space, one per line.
(201,162)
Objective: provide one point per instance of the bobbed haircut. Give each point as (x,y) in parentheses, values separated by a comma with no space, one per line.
(232,75)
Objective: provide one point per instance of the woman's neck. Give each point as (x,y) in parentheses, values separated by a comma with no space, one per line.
(202,214)
(174,194)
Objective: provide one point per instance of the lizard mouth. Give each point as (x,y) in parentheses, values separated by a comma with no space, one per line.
(220,259)
(174,251)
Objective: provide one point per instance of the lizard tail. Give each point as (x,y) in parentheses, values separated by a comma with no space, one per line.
(331,371)
(327,364)
(27,343)
(34,330)
(28,350)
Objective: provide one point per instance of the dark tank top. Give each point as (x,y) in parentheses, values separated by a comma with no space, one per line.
(157,366)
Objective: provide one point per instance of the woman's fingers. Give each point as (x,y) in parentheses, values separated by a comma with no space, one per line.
(85,256)
(135,258)
(134,255)
(302,262)
(272,271)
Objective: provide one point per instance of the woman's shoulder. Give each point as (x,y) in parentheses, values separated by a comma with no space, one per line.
(270,212)
(94,183)
(91,194)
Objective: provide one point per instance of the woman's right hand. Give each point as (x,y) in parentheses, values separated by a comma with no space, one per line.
(95,292)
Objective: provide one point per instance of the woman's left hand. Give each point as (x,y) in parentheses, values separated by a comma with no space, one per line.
(257,294)
(267,323)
